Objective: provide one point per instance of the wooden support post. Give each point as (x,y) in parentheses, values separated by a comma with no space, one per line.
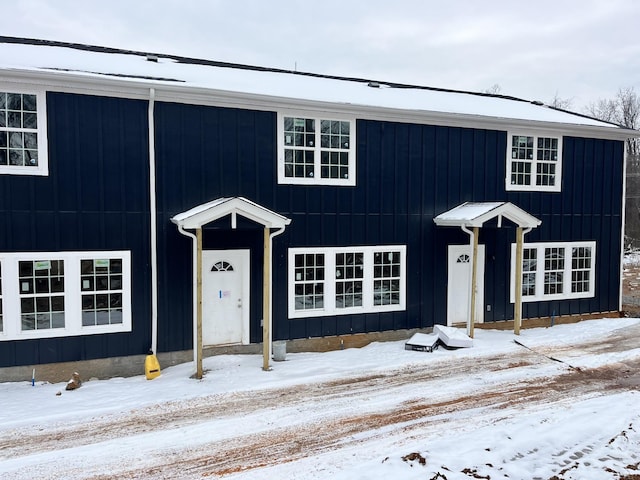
(266,302)
(198,345)
(517,314)
(474,282)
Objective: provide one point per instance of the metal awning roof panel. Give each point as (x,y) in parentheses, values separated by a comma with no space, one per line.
(475,214)
(208,212)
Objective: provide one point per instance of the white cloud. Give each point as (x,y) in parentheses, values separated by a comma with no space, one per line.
(576,48)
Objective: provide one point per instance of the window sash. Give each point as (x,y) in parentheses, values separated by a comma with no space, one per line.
(102,291)
(349,279)
(41,293)
(534,162)
(340,281)
(553,271)
(46,293)
(309,281)
(314,150)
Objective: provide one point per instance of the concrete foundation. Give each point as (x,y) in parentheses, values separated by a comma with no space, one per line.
(134,365)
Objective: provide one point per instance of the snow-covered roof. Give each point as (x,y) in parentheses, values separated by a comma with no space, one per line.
(208,212)
(475,214)
(82,63)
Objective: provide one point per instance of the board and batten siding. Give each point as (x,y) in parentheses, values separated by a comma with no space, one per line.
(95,198)
(589,208)
(406,175)
(204,153)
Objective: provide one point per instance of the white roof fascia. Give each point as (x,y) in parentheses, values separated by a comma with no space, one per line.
(422,117)
(512,212)
(178,92)
(208,212)
(475,214)
(68,82)
(180,218)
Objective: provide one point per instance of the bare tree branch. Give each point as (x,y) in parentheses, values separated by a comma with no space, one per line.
(624,110)
(561,103)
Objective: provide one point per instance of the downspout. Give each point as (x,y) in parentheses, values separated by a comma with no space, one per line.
(271,237)
(194,288)
(153,226)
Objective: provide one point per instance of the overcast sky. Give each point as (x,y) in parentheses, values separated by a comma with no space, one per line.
(582,50)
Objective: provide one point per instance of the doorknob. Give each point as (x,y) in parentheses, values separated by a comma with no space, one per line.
(239,303)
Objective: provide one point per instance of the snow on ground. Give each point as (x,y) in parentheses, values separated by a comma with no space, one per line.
(631,258)
(563,407)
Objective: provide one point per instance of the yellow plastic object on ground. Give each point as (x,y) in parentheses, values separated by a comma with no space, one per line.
(151,366)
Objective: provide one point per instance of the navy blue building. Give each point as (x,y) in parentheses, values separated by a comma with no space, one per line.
(107,174)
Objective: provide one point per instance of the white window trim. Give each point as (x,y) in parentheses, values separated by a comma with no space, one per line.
(317,179)
(557,187)
(43,154)
(329,308)
(567,293)
(72,295)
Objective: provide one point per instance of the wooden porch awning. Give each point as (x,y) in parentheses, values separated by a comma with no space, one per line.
(221,207)
(470,217)
(196,218)
(475,214)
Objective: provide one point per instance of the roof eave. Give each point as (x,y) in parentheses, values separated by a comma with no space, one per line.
(177,92)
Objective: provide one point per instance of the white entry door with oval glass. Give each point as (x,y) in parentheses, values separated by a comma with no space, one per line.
(225,297)
(458,291)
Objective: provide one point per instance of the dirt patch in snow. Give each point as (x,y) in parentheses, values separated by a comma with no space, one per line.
(423,404)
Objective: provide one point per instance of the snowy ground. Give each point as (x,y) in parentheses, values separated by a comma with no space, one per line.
(566,407)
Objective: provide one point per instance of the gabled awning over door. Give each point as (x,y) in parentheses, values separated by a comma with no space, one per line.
(475,214)
(201,215)
(208,212)
(470,217)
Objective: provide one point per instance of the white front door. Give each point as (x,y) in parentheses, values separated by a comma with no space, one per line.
(225,297)
(459,267)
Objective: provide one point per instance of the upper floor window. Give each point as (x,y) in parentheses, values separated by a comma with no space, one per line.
(315,150)
(556,271)
(534,163)
(23,133)
(336,281)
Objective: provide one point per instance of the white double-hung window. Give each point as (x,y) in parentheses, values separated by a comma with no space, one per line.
(534,162)
(59,294)
(316,149)
(23,140)
(344,280)
(552,271)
